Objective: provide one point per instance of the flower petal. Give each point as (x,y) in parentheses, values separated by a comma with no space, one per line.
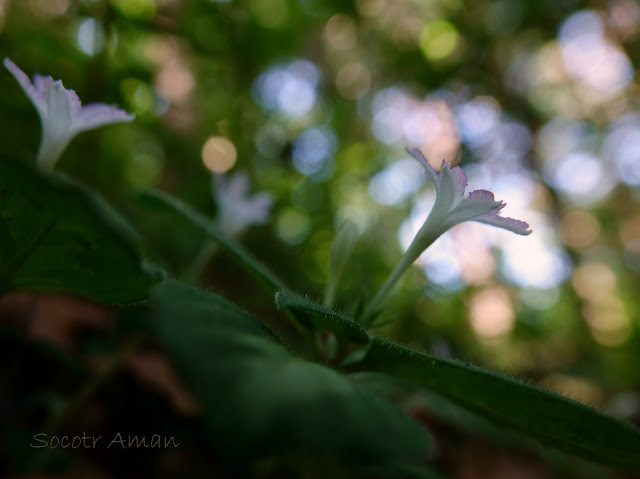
(230,189)
(59,119)
(450,182)
(95,115)
(37,94)
(41,84)
(478,203)
(74,101)
(257,208)
(61,113)
(444,190)
(454,182)
(237,208)
(433,175)
(511,224)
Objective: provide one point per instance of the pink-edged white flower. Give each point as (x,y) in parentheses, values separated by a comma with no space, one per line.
(61,113)
(237,210)
(452,207)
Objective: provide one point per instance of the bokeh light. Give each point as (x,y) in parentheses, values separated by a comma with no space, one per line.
(90,36)
(293,226)
(621,147)
(340,32)
(312,149)
(396,182)
(491,313)
(579,229)
(401,119)
(219,154)
(353,80)
(439,40)
(290,89)
(590,57)
(49,8)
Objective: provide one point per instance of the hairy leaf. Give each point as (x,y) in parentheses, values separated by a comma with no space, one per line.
(259,400)
(237,250)
(56,235)
(321,318)
(544,415)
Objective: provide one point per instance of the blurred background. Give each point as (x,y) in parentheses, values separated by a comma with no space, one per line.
(314,102)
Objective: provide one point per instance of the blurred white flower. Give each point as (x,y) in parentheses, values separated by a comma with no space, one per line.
(237,209)
(61,113)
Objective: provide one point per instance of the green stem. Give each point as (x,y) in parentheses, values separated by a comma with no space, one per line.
(330,292)
(420,243)
(204,255)
(243,256)
(236,249)
(373,307)
(49,152)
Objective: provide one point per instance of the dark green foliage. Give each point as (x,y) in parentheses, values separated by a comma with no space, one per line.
(259,400)
(321,318)
(240,254)
(553,419)
(56,235)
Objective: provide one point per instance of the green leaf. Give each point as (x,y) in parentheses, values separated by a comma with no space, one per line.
(56,235)
(321,318)
(243,256)
(552,419)
(169,238)
(261,401)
